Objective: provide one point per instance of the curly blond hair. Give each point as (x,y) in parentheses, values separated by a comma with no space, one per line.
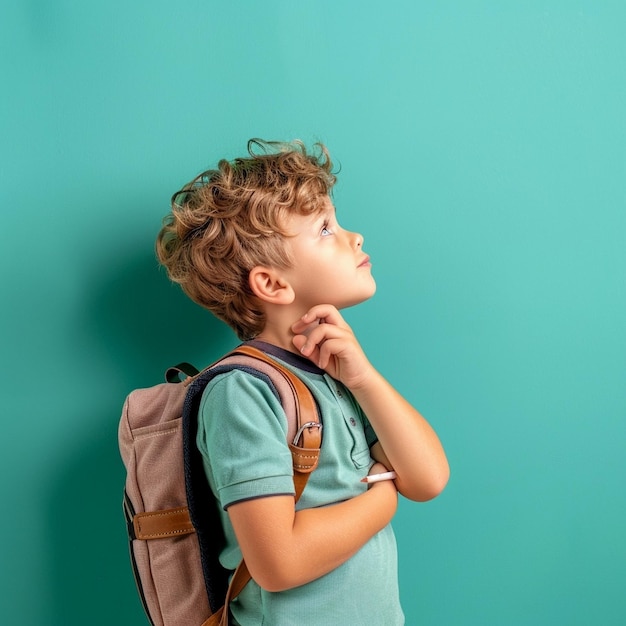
(229,220)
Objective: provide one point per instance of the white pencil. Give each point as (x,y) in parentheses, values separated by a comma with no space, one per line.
(374,478)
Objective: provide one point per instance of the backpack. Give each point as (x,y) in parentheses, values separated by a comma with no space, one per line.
(174,528)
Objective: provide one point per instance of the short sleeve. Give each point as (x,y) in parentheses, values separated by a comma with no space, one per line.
(242,435)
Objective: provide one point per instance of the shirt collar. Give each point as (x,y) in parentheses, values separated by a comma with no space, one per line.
(291,358)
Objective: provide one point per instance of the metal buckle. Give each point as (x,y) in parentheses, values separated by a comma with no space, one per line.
(308,425)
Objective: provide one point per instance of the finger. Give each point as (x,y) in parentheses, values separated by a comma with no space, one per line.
(329,349)
(319,336)
(298,341)
(310,351)
(304,328)
(307,349)
(323,314)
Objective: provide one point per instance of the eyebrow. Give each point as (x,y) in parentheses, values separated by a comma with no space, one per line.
(329,211)
(323,217)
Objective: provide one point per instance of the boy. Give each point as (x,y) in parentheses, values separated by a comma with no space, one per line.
(257,242)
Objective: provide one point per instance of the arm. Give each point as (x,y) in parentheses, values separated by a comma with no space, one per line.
(249,467)
(406,442)
(284,548)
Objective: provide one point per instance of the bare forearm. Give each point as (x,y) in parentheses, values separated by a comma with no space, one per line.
(286,549)
(407,440)
(347,527)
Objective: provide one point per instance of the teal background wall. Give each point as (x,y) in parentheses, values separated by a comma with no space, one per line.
(483,156)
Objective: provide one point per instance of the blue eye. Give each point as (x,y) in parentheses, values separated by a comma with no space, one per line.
(325,230)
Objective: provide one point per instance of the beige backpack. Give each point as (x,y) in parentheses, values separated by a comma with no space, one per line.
(173,522)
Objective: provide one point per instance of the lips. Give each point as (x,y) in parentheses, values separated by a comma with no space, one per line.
(365,262)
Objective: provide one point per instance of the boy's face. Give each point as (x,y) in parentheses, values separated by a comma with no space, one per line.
(329,265)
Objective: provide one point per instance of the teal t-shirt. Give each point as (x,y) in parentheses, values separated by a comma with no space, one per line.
(242,433)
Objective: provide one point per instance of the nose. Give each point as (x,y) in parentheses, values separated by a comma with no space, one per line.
(357,240)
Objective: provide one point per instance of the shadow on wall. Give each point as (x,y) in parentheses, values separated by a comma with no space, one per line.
(141,322)
(136,325)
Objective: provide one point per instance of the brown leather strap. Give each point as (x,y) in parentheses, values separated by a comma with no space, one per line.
(161,524)
(305,458)
(308,429)
(306,409)
(237,583)
(299,482)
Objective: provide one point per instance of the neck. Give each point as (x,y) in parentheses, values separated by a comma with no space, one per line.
(277,337)
(277,330)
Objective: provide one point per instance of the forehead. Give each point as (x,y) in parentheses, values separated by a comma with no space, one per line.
(325,208)
(297,222)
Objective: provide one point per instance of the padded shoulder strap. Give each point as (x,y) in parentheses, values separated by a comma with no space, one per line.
(304,440)
(304,433)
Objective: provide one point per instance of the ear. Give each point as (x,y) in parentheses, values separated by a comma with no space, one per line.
(269,285)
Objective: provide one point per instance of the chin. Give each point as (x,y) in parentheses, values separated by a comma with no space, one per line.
(347,304)
(370,292)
